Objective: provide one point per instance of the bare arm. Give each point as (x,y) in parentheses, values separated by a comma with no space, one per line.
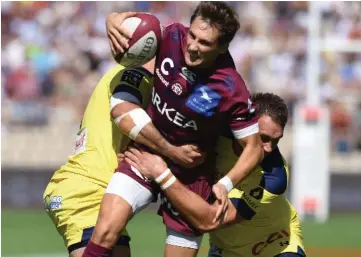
(251,155)
(200,213)
(148,136)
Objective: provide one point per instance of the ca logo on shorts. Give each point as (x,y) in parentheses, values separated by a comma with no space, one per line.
(52,202)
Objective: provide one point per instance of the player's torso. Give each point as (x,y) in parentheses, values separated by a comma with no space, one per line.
(99,139)
(184,106)
(272,211)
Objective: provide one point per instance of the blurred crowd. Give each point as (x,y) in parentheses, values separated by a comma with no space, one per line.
(54,53)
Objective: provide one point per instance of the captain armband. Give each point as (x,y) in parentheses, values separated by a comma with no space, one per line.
(140,119)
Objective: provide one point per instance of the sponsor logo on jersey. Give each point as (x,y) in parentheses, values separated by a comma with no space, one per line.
(164,70)
(282,237)
(177,88)
(256,193)
(132,77)
(250,201)
(52,202)
(188,75)
(203,100)
(172,114)
(81,140)
(250,107)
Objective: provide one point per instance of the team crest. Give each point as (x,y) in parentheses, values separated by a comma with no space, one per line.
(177,88)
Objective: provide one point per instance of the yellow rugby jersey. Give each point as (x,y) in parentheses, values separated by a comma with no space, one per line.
(271,224)
(99,139)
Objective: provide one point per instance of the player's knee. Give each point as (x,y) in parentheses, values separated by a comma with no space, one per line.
(77,253)
(105,235)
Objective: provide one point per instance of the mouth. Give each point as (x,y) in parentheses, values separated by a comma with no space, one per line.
(193,57)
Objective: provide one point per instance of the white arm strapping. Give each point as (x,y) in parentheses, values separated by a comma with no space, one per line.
(140,119)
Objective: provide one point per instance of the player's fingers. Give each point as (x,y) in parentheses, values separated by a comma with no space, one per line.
(122,35)
(125,33)
(135,151)
(130,162)
(129,14)
(195,154)
(195,148)
(116,44)
(218,213)
(112,48)
(225,207)
(131,156)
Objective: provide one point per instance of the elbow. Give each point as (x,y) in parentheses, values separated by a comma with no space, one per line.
(206,226)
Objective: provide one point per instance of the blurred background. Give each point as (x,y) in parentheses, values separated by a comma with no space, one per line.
(54,53)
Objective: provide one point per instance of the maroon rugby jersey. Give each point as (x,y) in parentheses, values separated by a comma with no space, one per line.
(195,105)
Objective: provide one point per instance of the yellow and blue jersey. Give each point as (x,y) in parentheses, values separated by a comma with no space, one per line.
(270,225)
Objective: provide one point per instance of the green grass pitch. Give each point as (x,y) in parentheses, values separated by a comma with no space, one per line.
(31,233)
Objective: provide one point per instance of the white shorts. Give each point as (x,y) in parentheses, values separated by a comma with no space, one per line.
(177,239)
(130,190)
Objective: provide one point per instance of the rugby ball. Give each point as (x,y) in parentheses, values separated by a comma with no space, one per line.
(146,35)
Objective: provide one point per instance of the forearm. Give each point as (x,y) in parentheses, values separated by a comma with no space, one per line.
(152,138)
(148,134)
(252,154)
(196,210)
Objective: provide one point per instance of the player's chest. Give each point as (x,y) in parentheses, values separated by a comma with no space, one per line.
(179,88)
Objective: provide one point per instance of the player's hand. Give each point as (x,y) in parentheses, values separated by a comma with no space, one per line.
(221,194)
(188,156)
(149,165)
(118,36)
(120,157)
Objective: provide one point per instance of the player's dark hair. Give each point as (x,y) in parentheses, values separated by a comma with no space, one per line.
(220,15)
(271,105)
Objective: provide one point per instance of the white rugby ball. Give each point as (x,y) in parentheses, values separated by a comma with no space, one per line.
(143,45)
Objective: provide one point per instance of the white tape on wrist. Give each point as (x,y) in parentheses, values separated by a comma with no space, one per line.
(168,183)
(227,182)
(162,176)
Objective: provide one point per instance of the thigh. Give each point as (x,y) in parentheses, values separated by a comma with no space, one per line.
(181,245)
(123,198)
(73,206)
(173,220)
(137,195)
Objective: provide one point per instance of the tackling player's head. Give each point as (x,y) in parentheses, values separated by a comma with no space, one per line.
(213,26)
(273,114)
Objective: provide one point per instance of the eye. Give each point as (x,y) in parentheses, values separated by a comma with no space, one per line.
(191,35)
(206,43)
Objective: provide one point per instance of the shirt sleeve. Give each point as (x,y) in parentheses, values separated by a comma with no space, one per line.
(242,114)
(129,89)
